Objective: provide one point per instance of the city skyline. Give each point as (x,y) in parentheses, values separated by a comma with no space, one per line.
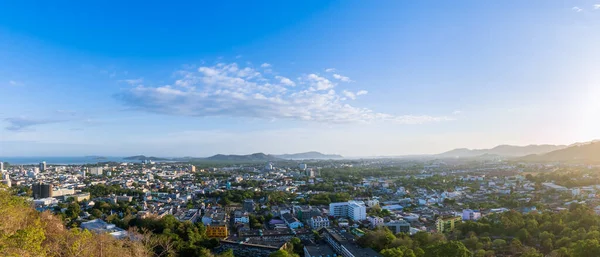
(339,77)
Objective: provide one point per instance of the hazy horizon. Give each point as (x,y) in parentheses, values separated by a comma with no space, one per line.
(354,78)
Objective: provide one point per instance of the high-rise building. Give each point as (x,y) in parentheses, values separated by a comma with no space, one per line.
(355,210)
(98,171)
(269,166)
(43,166)
(302,166)
(6,179)
(193,168)
(1,166)
(41,190)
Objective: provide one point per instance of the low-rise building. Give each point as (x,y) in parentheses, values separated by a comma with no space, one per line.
(317,222)
(398,226)
(291,221)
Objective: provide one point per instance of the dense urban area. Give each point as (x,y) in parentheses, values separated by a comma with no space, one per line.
(312,208)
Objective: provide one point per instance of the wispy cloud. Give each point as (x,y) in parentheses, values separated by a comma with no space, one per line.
(576,9)
(265,65)
(24,123)
(14,83)
(596,6)
(228,89)
(342,78)
(330,70)
(352,95)
(132,81)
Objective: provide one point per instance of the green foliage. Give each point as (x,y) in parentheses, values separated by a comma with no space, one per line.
(73,211)
(447,249)
(101,190)
(26,232)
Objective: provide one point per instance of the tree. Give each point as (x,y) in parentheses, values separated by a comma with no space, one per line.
(532,252)
(228,253)
(392,252)
(297,245)
(447,249)
(585,248)
(73,211)
(96,213)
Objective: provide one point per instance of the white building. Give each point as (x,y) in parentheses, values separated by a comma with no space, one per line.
(100,227)
(317,222)
(6,179)
(469,214)
(354,210)
(375,221)
(372,202)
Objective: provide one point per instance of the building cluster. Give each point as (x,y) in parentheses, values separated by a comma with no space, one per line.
(257,226)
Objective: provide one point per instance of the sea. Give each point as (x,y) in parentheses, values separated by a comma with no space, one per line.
(62,160)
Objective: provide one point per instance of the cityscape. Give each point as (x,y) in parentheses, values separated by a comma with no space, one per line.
(317,128)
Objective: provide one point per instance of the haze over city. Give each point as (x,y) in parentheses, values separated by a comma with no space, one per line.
(356,78)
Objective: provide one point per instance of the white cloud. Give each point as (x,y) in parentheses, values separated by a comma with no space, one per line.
(596,6)
(330,70)
(342,78)
(285,81)
(318,83)
(457,112)
(576,9)
(265,65)
(133,81)
(362,92)
(352,95)
(349,94)
(234,91)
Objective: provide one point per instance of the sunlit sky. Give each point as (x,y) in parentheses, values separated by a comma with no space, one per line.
(357,78)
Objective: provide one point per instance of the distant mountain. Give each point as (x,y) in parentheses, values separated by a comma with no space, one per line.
(309,155)
(588,153)
(501,151)
(255,157)
(142,157)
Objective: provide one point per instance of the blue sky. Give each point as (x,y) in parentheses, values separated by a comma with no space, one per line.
(358,78)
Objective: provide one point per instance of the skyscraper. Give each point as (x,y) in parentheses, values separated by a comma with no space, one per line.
(43,166)
(1,166)
(41,190)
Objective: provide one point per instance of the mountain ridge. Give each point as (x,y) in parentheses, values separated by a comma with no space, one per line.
(587,152)
(501,150)
(244,157)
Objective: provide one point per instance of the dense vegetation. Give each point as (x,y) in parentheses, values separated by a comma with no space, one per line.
(27,232)
(570,233)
